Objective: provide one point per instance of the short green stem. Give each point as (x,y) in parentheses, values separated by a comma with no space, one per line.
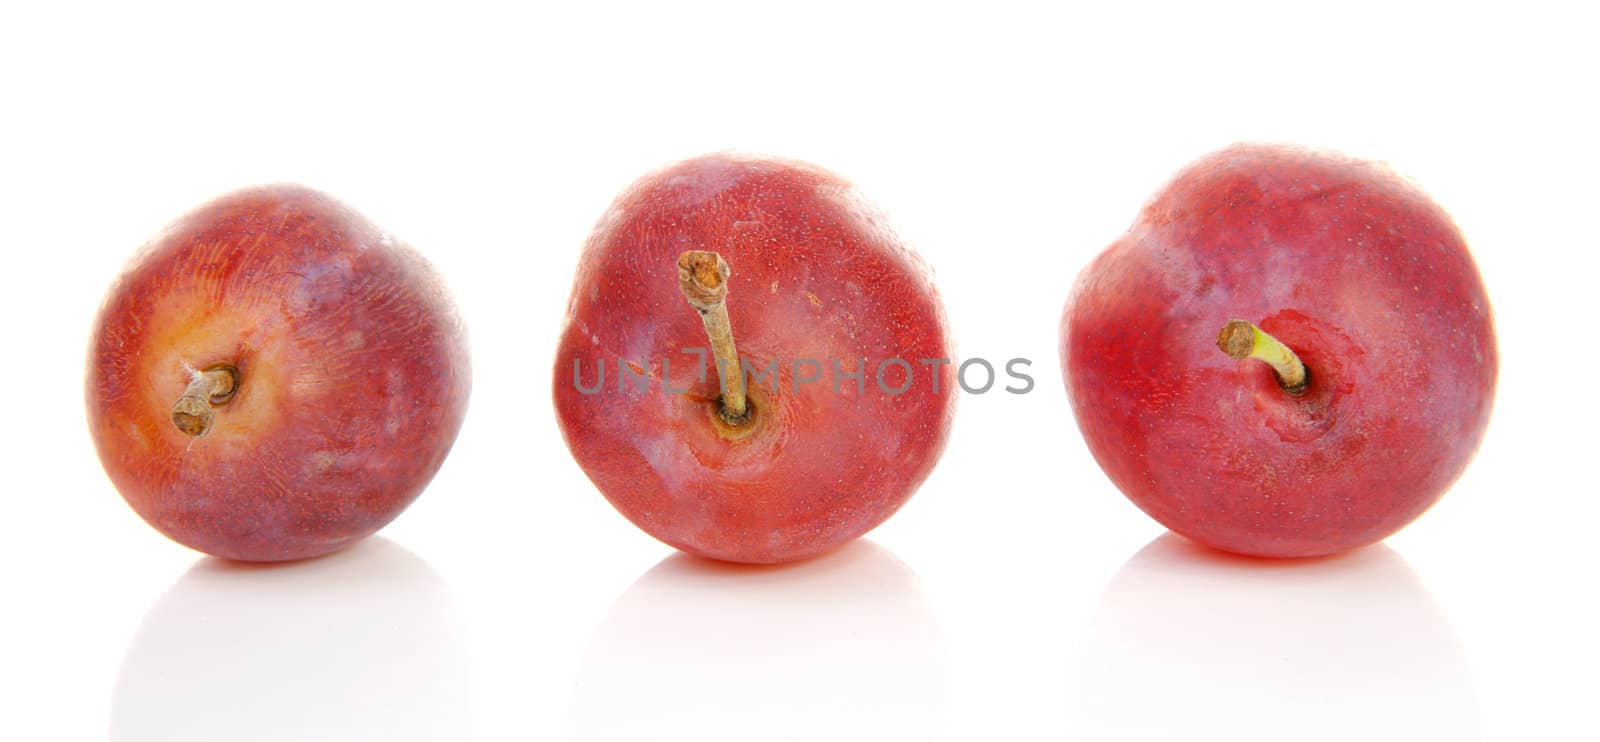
(1241,340)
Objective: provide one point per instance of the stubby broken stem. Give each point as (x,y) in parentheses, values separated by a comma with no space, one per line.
(214,386)
(703,276)
(1241,340)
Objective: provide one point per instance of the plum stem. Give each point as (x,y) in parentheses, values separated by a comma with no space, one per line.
(1241,340)
(703,277)
(214,386)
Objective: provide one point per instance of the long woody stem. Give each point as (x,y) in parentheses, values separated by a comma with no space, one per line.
(703,276)
(213,386)
(1241,340)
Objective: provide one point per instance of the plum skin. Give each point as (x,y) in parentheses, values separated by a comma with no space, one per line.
(1354,269)
(353,366)
(816,274)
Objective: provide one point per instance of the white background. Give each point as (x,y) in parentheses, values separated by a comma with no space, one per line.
(1006,601)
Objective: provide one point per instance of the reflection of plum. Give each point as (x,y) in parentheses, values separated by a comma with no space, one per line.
(840,647)
(358,645)
(1190,642)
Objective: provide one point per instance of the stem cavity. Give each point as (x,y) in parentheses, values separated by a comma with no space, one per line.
(1241,340)
(703,276)
(214,386)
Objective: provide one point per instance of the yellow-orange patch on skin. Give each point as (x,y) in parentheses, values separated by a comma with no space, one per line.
(184,341)
(816,302)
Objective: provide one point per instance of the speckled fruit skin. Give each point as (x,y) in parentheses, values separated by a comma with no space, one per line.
(816,274)
(353,376)
(1351,267)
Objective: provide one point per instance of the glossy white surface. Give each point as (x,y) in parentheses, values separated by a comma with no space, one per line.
(1017,597)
